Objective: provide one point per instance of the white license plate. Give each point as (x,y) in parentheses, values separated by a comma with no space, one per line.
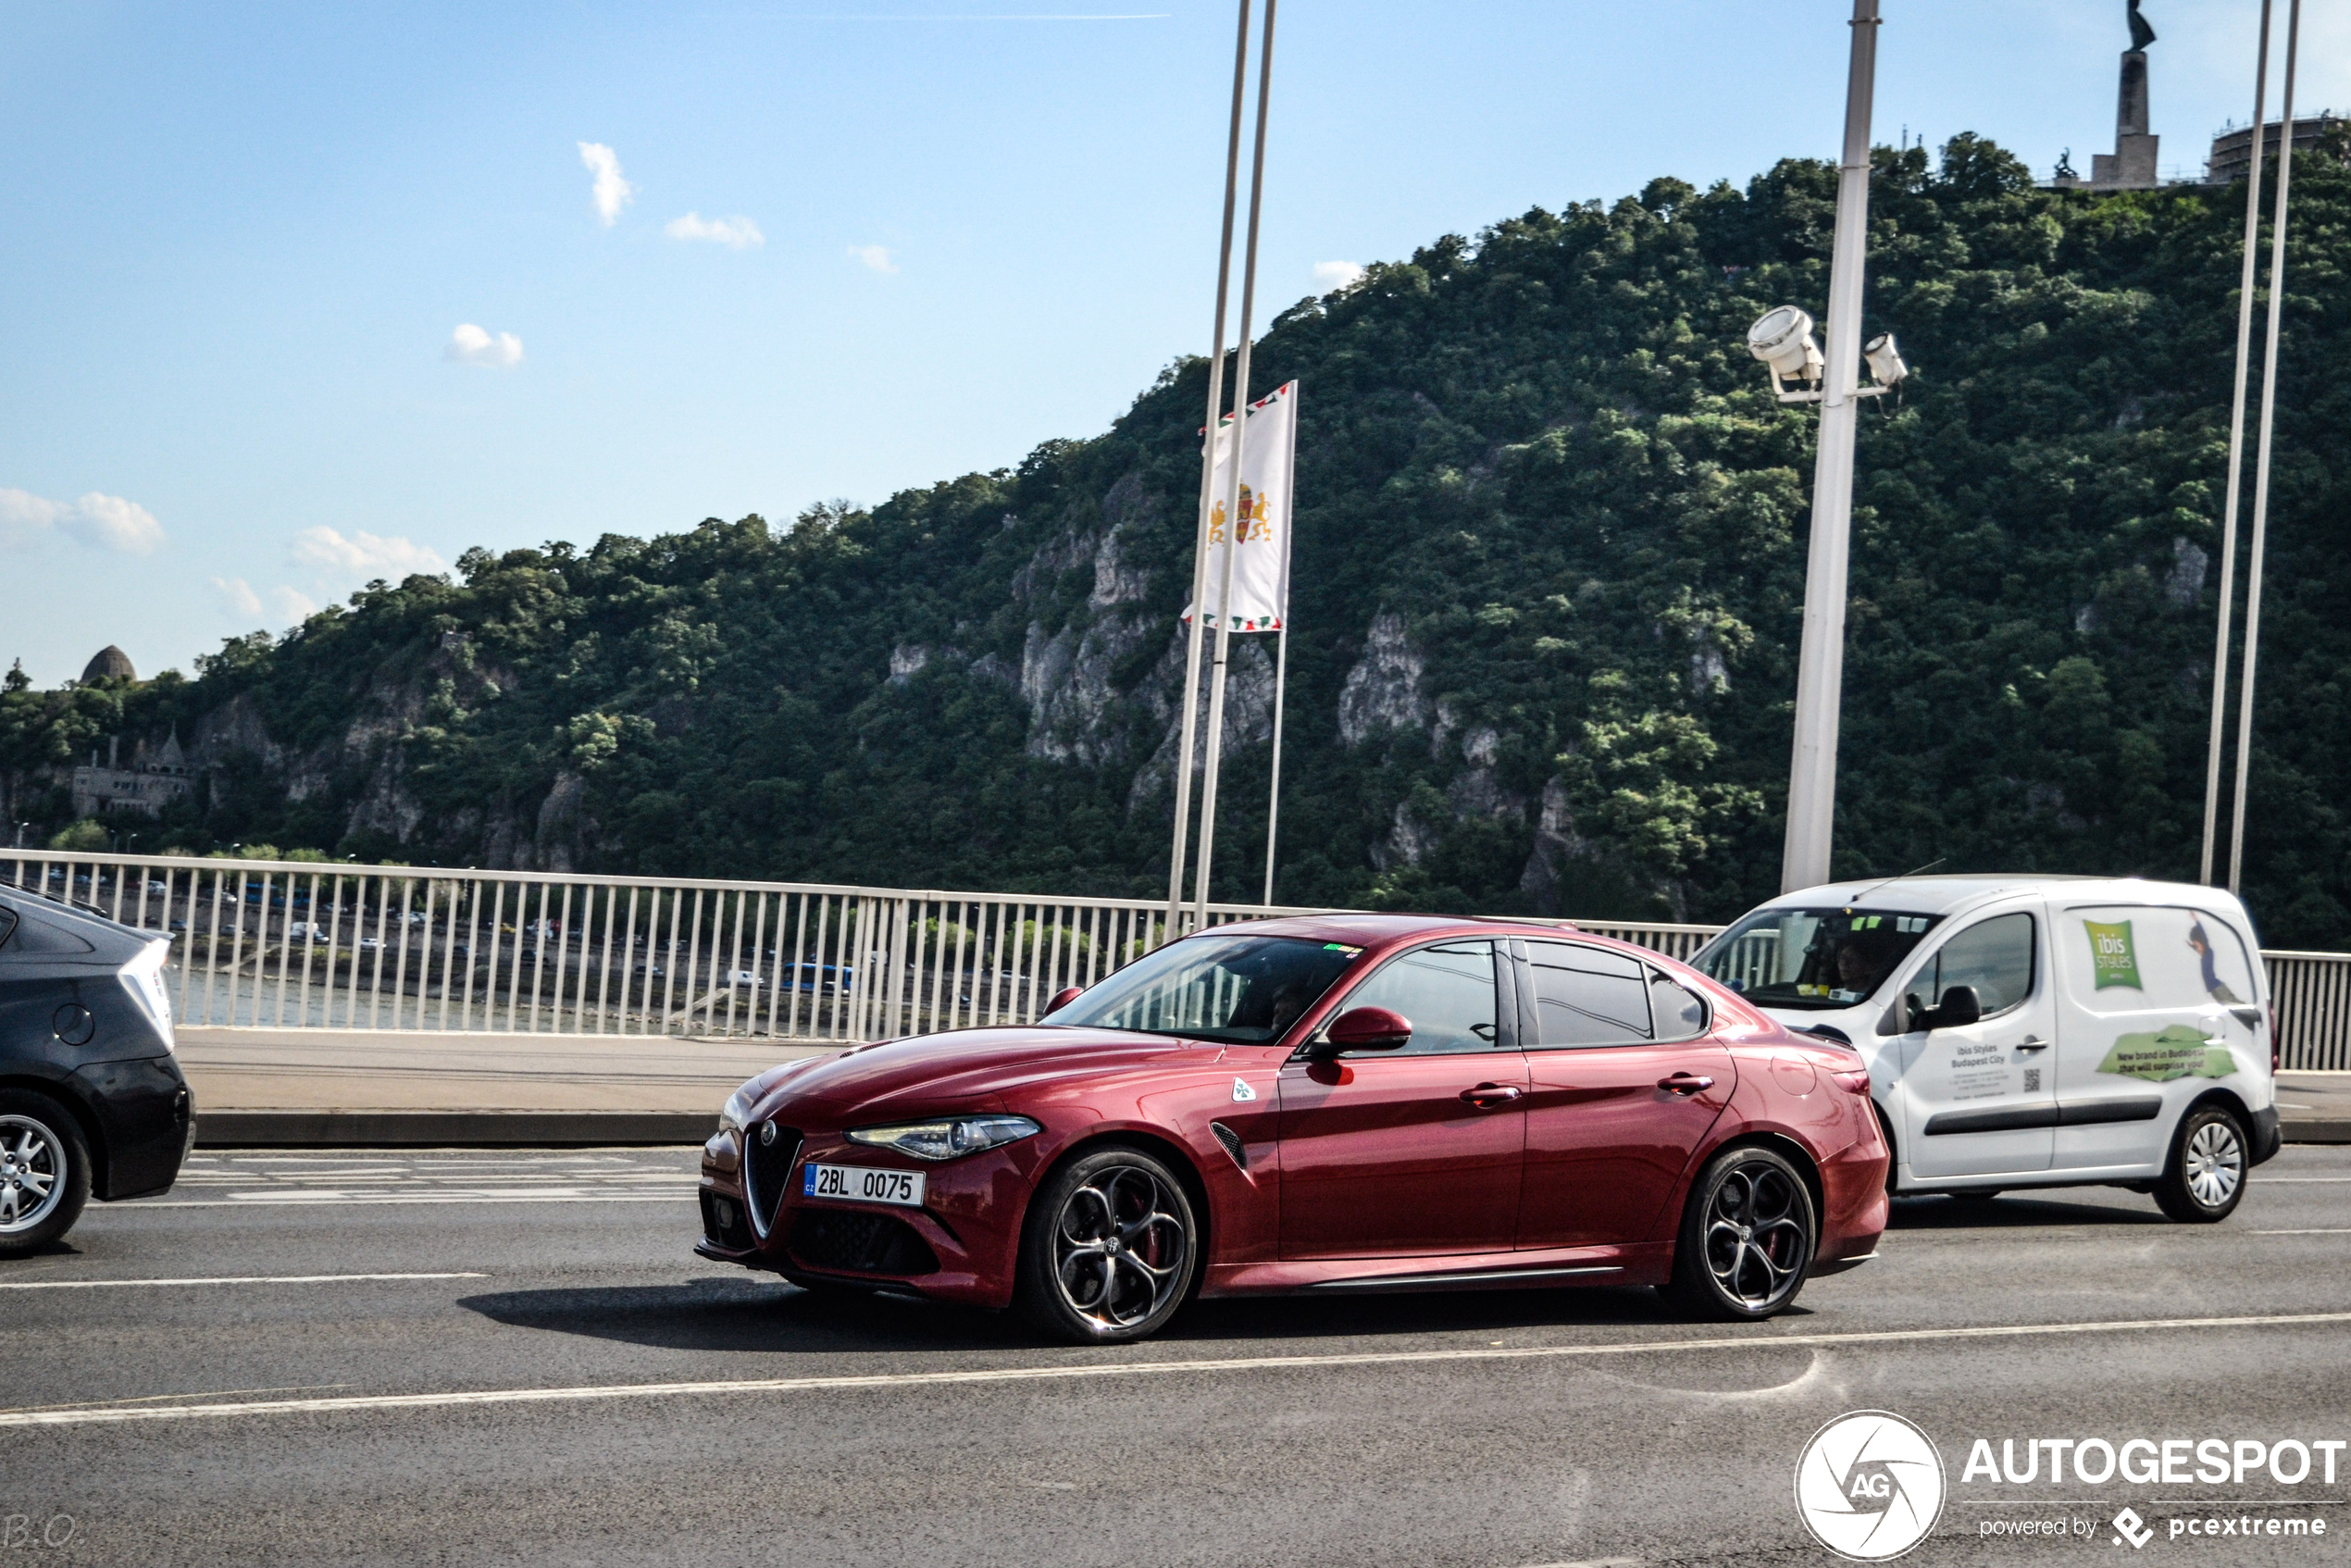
(863,1184)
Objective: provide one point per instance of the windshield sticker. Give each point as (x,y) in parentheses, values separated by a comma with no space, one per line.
(2178,1051)
(1341,947)
(2114,961)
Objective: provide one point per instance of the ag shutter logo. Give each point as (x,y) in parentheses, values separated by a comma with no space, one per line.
(1870,1486)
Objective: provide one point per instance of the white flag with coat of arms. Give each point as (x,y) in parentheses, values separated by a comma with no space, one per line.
(1260,568)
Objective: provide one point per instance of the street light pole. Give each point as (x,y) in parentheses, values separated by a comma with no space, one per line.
(1820,682)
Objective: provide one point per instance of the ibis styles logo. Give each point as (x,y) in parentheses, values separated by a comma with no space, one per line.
(2114,961)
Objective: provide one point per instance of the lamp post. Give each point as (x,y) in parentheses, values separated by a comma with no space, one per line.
(1820,682)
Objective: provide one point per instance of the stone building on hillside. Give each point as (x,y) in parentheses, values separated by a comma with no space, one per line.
(142,790)
(108,663)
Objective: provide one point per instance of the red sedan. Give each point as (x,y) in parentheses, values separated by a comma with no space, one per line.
(1332,1103)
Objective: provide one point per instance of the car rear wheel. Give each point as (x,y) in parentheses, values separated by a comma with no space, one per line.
(44,1172)
(2204,1178)
(1110,1249)
(1747,1237)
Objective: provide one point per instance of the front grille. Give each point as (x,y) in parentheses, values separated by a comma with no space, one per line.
(767,1166)
(722,1220)
(852,1241)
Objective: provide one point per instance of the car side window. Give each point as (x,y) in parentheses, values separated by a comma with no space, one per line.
(1678,1013)
(1996,956)
(1588,996)
(7,923)
(1447,991)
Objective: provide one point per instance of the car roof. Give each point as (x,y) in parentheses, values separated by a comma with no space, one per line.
(1951,892)
(1362,930)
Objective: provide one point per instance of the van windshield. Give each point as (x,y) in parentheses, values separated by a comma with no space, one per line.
(1812,958)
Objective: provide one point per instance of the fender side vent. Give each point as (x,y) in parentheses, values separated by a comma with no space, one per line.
(1232,1142)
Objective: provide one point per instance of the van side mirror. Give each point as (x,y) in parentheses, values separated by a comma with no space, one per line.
(1960,1007)
(1363,1028)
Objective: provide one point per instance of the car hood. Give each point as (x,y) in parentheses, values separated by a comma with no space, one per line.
(962,1069)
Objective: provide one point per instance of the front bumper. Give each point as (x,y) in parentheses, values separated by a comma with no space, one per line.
(962,1245)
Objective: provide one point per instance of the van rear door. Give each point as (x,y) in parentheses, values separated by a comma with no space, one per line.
(2158,1004)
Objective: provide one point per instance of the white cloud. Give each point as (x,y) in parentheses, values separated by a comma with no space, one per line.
(1334,275)
(293,604)
(23,514)
(876,257)
(236,596)
(362,554)
(470,344)
(611,192)
(100,521)
(735,233)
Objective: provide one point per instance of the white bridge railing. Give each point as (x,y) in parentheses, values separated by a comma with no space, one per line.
(295,945)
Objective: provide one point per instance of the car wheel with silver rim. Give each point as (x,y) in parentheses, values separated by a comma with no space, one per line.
(1748,1237)
(1109,1249)
(44,1172)
(2205,1178)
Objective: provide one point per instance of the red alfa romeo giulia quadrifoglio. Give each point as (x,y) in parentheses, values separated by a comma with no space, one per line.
(1332,1103)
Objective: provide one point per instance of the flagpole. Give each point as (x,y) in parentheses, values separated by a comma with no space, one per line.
(1233,490)
(1281,656)
(1273,795)
(2236,459)
(2261,462)
(1207,485)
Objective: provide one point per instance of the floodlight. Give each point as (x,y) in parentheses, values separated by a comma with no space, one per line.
(1884,360)
(1782,340)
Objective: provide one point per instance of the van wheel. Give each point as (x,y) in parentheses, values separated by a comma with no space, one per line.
(44,1172)
(2205,1178)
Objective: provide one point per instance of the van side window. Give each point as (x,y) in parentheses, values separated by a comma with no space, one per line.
(1995,956)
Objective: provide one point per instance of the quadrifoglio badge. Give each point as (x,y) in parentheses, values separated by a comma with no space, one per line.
(1870,1486)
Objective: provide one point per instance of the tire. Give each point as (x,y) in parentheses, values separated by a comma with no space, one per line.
(1748,1237)
(44,1172)
(2203,1180)
(1110,1249)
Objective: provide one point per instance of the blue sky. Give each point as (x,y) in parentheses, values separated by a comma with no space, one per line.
(863,245)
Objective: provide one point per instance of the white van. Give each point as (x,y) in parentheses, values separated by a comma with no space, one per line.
(2033,1031)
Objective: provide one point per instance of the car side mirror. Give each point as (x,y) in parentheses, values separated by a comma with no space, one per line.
(1960,1007)
(1364,1028)
(1063,998)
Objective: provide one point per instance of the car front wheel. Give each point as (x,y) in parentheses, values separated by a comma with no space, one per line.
(44,1172)
(1747,1237)
(1110,1249)
(2204,1178)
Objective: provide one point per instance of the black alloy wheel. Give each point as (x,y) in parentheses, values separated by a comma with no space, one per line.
(2203,1180)
(1109,1249)
(44,1172)
(1748,1237)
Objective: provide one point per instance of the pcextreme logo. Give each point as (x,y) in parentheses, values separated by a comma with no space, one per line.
(1870,1486)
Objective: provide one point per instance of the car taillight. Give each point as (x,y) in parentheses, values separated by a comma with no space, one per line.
(1856,1081)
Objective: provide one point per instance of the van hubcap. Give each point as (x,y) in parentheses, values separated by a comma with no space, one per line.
(2215,1164)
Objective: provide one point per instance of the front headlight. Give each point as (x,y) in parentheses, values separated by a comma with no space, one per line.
(736,1113)
(950,1137)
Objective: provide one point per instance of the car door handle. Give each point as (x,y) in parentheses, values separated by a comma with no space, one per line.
(2031,1043)
(1488,1097)
(1684,1083)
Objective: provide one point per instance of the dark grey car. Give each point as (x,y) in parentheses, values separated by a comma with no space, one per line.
(91,1099)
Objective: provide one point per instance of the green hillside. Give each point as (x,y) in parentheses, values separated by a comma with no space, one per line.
(1550,563)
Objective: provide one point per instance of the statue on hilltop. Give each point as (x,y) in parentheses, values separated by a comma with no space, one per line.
(2140,33)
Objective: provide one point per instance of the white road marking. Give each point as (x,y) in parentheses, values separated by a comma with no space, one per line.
(477,1397)
(332,1200)
(2302,1233)
(2266,1181)
(224,1279)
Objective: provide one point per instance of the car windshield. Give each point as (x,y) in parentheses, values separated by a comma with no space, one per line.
(1812,958)
(1241,988)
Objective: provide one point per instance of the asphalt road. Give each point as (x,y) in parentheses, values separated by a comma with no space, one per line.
(337,1297)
